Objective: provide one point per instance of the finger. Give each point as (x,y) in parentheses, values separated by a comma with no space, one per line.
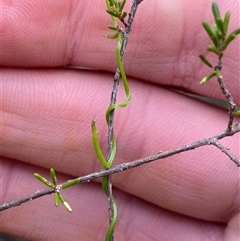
(73,35)
(46,119)
(138,219)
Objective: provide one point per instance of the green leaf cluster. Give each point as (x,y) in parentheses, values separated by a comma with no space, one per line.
(218,33)
(115,8)
(53,185)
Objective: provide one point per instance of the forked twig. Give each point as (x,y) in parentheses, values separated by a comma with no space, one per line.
(214,140)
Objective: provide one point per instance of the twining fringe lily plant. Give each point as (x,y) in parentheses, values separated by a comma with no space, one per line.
(115,10)
(220,38)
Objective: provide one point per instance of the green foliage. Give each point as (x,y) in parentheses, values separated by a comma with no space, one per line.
(207,78)
(218,34)
(57,195)
(115,8)
(205,61)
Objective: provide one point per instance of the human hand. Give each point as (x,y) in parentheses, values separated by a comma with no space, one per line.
(47,110)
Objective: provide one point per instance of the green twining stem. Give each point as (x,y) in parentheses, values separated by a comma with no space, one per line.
(113,222)
(107,163)
(113,151)
(115,9)
(124,79)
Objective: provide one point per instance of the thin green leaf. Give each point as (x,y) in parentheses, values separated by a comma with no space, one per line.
(122,4)
(219,24)
(226,22)
(110,2)
(124,15)
(115,13)
(213,49)
(119,4)
(215,11)
(56,199)
(96,146)
(207,78)
(53,176)
(115,4)
(230,38)
(205,61)
(217,18)
(44,180)
(63,201)
(112,36)
(71,183)
(216,33)
(236,31)
(211,34)
(67,206)
(112,27)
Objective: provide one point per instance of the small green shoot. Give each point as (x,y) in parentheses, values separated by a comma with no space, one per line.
(218,34)
(57,195)
(44,181)
(115,8)
(205,61)
(207,78)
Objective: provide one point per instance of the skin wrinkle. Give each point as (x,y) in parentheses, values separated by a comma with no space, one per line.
(234,208)
(144,116)
(21,113)
(126,232)
(95,29)
(167,9)
(182,193)
(132,37)
(189,48)
(173,185)
(75,25)
(40,44)
(165,224)
(127,128)
(5,190)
